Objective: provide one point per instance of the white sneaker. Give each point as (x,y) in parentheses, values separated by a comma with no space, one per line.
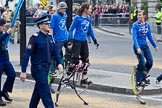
(157,83)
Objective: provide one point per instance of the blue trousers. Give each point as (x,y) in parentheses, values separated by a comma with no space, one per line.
(59,45)
(145,62)
(159,78)
(41,89)
(6,66)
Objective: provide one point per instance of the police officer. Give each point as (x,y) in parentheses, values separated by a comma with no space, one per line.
(5,64)
(40,47)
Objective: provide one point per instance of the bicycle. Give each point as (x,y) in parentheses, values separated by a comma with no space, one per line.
(137,90)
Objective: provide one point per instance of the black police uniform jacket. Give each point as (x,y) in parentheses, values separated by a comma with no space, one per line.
(37,49)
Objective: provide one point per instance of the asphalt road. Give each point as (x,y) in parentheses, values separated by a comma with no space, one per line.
(115,53)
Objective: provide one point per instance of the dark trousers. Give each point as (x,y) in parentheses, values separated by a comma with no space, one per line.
(158,28)
(159,78)
(7,67)
(80,48)
(59,45)
(142,66)
(41,89)
(96,20)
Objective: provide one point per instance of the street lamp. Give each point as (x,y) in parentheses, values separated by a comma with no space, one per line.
(22,30)
(69,12)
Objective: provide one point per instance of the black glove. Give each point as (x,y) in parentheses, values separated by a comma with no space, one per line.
(96,43)
(70,42)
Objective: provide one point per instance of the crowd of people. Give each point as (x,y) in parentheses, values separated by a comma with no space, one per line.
(7,14)
(102,9)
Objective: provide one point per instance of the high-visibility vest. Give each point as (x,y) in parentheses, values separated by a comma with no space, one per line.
(131,16)
(158,17)
(134,14)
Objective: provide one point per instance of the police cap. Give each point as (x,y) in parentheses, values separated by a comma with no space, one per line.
(2,21)
(43,19)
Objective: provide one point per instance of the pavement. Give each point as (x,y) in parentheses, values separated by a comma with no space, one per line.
(107,81)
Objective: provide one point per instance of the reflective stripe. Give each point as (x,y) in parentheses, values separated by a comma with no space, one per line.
(134,14)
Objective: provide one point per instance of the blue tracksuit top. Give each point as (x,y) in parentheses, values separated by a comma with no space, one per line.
(140,32)
(37,49)
(82,26)
(58,24)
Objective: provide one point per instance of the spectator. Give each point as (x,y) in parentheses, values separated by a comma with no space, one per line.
(39,12)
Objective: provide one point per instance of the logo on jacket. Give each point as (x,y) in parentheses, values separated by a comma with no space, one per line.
(84,26)
(62,24)
(143,29)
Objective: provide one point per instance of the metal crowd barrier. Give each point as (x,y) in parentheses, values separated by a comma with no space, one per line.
(156,30)
(104,21)
(30,21)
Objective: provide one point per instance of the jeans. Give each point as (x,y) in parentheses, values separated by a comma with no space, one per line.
(143,67)
(159,78)
(59,45)
(158,28)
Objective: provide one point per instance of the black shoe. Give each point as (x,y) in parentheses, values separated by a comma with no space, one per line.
(2,103)
(18,41)
(6,96)
(85,82)
(65,81)
(141,84)
(147,81)
(12,41)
